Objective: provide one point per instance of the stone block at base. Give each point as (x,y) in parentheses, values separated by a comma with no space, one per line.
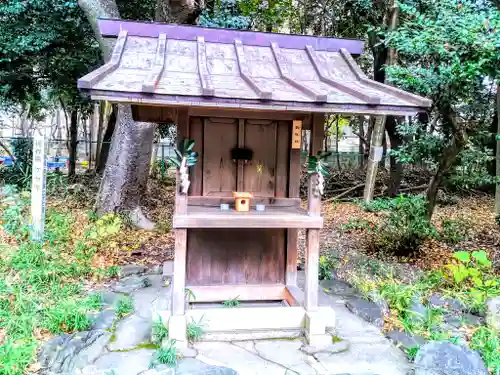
(319,340)
(315,323)
(177,330)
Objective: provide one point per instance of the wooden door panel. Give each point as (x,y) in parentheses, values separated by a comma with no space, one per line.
(235,256)
(259,176)
(220,135)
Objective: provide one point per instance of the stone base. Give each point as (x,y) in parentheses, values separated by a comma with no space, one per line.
(254,324)
(177,330)
(319,340)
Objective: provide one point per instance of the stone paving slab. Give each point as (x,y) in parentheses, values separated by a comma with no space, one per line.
(243,361)
(125,363)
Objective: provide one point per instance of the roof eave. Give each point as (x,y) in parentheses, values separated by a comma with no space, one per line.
(251,104)
(113,27)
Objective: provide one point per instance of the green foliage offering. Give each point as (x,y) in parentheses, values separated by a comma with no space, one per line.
(318,164)
(184,150)
(166,355)
(405,228)
(159,331)
(124,306)
(497,219)
(487,343)
(194,330)
(232,302)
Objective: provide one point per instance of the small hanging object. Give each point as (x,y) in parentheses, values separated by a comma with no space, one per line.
(316,167)
(184,177)
(184,158)
(242,201)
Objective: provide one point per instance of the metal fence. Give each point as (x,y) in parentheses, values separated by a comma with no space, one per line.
(58,154)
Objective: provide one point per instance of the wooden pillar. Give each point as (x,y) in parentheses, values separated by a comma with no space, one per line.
(179,278)
(375,157)
(314,208)
(292,239)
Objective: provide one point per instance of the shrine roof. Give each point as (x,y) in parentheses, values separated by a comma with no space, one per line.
(173,65)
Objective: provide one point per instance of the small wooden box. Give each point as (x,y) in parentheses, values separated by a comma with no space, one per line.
(242,201)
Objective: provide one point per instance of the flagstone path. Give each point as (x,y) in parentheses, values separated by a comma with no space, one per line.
(126,353)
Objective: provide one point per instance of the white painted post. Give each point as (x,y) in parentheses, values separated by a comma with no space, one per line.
(38,188)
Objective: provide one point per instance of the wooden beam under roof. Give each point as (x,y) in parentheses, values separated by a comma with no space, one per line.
(89,80)
(324,76)
(361,76)
(245,72)
(205,78)
(285,75)
(153,78)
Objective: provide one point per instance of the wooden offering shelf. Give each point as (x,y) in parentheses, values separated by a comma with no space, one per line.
(272,217)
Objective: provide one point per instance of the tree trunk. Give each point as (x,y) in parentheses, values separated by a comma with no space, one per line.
(106,141)
(73,142)
(122,185)
(497,136)
(396,168)
(337,143)
(361,145)
(457,143)
(127,165)
(375,155)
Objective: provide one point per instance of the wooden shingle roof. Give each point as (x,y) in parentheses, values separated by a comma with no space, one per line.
(192,66)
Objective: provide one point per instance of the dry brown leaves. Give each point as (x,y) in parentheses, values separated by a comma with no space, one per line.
(476,212)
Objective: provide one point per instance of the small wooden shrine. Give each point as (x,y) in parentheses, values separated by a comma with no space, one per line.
(244,98)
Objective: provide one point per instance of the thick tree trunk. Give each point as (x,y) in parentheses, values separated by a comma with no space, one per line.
(396,168)
(127,165)
(457,143)
(106,141)
(73,142)
(375,155)
(497,136)
(124,180)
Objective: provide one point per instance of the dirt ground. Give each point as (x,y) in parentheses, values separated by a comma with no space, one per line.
(350,248)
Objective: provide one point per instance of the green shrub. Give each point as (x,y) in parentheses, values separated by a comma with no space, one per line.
(405,228)
(378,204)
(231,302)
(453,231)
(487,343)
(159,331)
(356,223)
(326,264)
(124,306)
(166,355)
(194,330)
